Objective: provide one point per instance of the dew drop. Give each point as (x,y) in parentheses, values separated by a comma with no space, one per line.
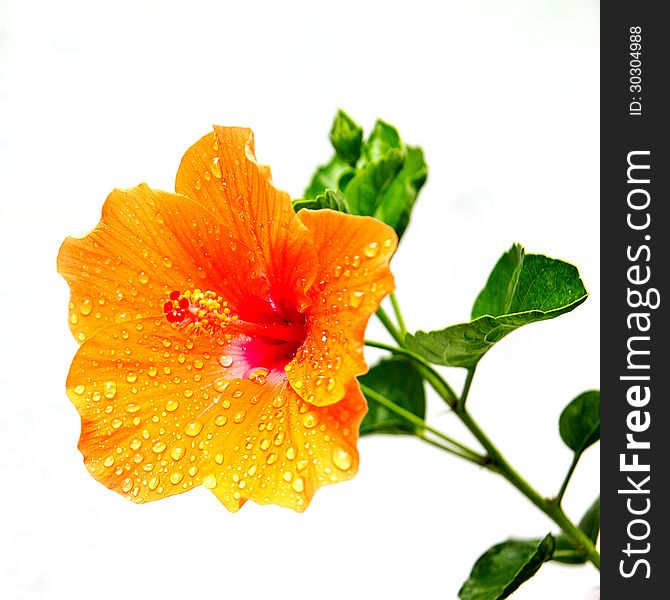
(171,405)
(109,461)
(218,458)
(341,459)
(290,453)
(220,421)
(226,360)
(298,485)
(153,483)
(272,458)
(193,470)
(209,481)
(135,444)
(151,371)
(79,390)
(259,375)
(216,167)
(356,298)
(177,453)
(86,307)
(252,470)
(158,447)
(198,364)
(131,377)
(310,419)
(371,250)
(143,278)
(193,428)
(238,394)
(116,423)
(127,484)
(133,408)
(239,417)
(176,477)
(109,389)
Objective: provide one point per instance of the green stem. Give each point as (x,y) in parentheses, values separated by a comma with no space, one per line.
(398,314)
(390,327)
(460,404)
(568,476)
(455,446)
(426,369)
(484,461)
(551,508)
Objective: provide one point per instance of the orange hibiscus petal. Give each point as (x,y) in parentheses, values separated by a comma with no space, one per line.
(147,244)
(220,172)
(352,279)
(294,449)
(161,413)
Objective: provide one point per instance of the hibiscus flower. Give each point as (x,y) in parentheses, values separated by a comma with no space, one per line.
(221,334)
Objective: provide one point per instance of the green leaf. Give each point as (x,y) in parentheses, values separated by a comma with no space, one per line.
(565,551)
(327,177)
(398,379)
(329,199)
(366,188)
(384,137)
(579,423)
(496,297)
(503,568)
(395,205)
(347,138)
(522,289)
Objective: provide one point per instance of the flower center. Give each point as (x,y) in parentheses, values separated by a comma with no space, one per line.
(274,339)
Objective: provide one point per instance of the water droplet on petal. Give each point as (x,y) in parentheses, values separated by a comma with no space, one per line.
(127,484)
(356,298)
(116,423)
(86,307)
(220,421)
(290,453)
(158,447)
(143,277)
(310,419)
(342,459)
(259,375)
(171,405)
(298,485)
(135,444)
(239,417)
(218,458)
(216,167)
(131,377)
(109,461)
(79,390)
(209,481)
(272,458)
(177,453)
(109,389)
(176,477)
(153,483)
(371,250)
(226,360)
(193,428)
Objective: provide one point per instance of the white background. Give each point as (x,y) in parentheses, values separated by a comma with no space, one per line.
(502,96)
